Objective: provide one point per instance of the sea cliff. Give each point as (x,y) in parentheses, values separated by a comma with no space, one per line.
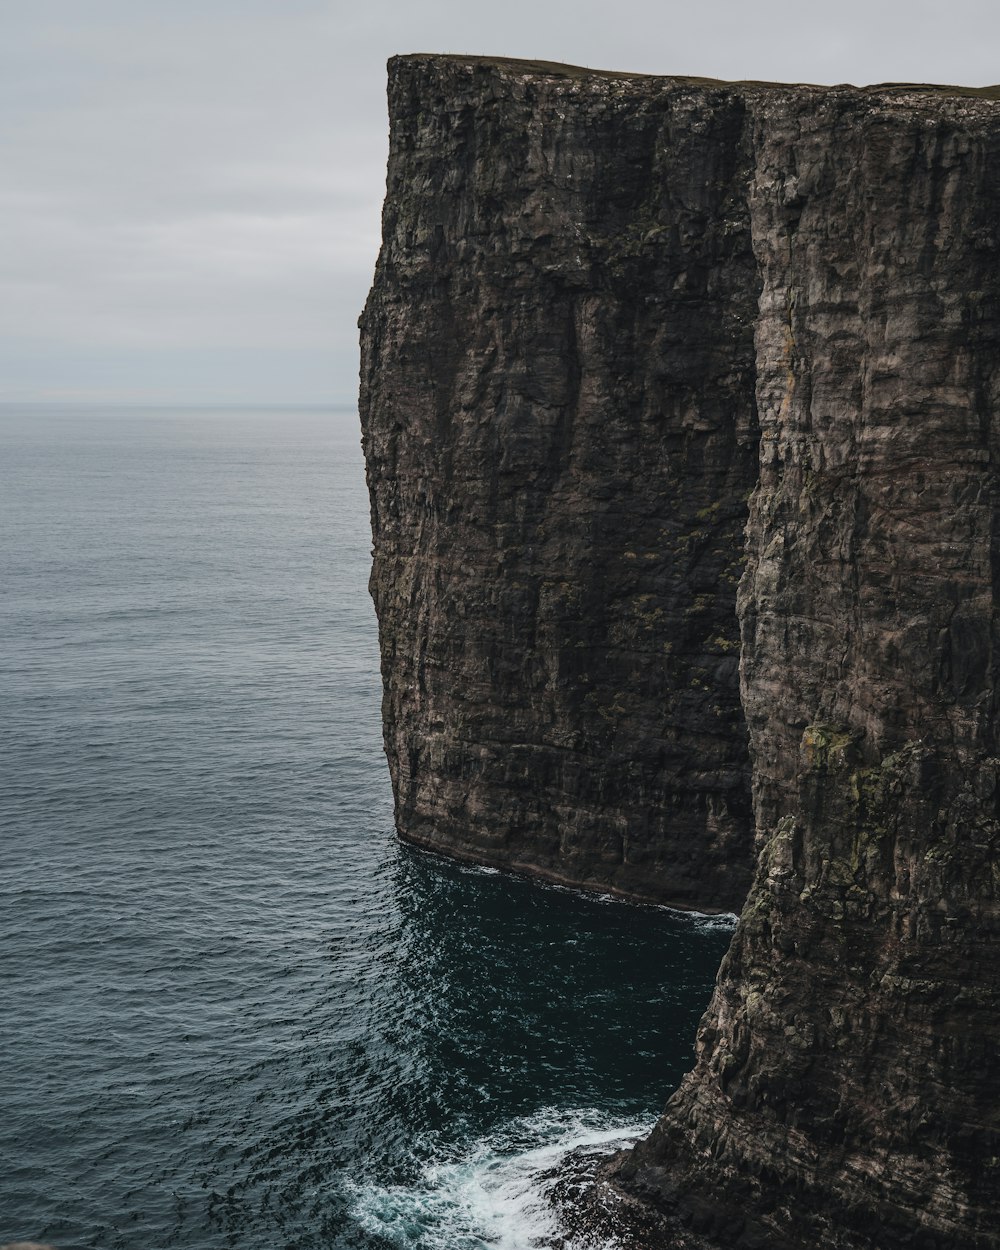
(561,437)
(618,323)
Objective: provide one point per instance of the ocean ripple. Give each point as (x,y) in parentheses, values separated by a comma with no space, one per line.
(235,1012)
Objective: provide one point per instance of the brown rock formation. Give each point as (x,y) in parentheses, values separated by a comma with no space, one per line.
(531,409)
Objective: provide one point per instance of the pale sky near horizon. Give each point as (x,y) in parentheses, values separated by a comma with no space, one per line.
(189,208)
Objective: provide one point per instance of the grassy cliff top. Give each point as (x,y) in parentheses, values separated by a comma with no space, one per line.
(558,70)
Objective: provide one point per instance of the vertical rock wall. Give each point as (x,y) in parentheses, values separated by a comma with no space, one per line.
(847,1092)
(590,285)
(558,413)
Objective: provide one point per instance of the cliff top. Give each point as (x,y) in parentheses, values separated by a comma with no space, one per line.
(555,69)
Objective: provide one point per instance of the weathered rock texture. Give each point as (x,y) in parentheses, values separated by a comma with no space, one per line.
(847,1091)
(558,372)
(558,413)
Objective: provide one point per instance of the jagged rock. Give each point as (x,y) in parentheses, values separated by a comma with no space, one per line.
(561,324)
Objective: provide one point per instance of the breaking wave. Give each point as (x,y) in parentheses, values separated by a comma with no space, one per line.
(497,1196)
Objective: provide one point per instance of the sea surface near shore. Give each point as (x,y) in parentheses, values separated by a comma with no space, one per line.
(234,1011)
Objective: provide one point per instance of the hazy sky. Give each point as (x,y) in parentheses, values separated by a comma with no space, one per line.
(190,189)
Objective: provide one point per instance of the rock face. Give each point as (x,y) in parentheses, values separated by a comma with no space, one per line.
(846,1090)
(558,413)
(559,370)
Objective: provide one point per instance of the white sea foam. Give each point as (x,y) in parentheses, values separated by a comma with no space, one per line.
(495,1197)
(477,870)
(706,922)
(720,922)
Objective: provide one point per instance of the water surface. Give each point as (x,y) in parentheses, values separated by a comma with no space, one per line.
(234,1011)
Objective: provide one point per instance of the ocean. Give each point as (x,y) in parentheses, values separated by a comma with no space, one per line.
(234,1010)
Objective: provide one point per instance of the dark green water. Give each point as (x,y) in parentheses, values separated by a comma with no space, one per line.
(234,1012)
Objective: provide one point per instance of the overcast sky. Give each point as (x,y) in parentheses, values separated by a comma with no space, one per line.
(190,189)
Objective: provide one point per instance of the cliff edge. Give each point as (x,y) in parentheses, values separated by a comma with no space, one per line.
(560,432)
(618,320)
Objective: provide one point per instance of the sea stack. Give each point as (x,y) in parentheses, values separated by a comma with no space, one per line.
(618,324)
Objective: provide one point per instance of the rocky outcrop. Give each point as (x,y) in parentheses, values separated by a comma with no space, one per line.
(846,1090)
(530,407)
(559,426)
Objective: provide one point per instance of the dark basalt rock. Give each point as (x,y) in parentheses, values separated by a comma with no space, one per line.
(846,1089)
(559,425)
(601,298)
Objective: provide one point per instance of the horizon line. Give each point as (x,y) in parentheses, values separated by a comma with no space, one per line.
(312,405)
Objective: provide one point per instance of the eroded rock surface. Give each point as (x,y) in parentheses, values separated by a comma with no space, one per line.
(559,425)
(591,286)
(847,1091)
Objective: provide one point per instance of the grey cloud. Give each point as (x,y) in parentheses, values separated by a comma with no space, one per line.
(191,193)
